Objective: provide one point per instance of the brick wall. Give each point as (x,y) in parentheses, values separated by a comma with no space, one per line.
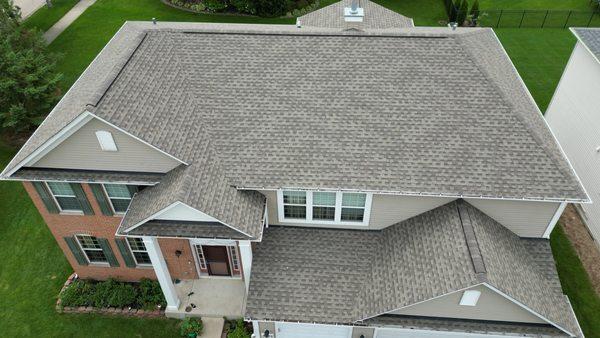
(105,227)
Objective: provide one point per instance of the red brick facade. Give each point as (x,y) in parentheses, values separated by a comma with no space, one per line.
(182,267)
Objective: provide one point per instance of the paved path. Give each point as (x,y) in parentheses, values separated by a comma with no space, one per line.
(213,327)
(68,19)
(28,7)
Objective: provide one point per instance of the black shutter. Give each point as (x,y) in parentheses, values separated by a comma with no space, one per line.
(79,255)
(125,253)
(80,194)
(45,196)
(110,256)
(103,201)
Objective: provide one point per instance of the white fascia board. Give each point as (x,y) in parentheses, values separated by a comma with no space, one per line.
(572,29)
(528,309)
(559,210)
(524,86)
(179,204)
(52,143)
(144,183)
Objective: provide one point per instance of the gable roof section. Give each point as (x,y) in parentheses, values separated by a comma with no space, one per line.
(375,17)
(376,272)
(430,92)
(185,229)
(590,37)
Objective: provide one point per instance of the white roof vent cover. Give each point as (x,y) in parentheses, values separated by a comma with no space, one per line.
(106,140)
(354,13)
(470,298)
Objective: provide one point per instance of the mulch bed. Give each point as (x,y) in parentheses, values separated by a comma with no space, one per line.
(584,244)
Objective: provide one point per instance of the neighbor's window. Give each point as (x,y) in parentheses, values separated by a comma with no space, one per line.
(119,196)
(294,204)
(138,249)
(64,196)
(324,207)
(92,249)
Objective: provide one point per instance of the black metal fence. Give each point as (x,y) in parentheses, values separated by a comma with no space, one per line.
(505,18)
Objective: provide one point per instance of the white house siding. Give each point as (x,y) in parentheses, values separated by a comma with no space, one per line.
(524,218)
(574,116)
(490,306)
(82,151)
(385,210)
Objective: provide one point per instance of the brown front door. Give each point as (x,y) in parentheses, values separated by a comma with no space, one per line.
(217,260)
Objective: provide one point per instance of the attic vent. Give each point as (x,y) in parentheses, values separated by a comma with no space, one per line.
(106,140)
(354,13)
(470,298)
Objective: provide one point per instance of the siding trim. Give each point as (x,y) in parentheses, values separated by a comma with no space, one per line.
(554,220)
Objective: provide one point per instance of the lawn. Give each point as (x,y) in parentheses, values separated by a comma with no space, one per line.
(45,17)
(581,5)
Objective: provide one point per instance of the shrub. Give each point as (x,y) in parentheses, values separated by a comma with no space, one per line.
(191,327)
(215,5)
(77,294)
(462,12)
(244,6)
(150,294)
(239,331)
(474,13)
(270,8)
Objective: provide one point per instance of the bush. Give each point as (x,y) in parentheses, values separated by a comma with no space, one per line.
(191,327)
(270,8)
(110,293)
(462,12)
(239,331)
(244,6)
(215,5)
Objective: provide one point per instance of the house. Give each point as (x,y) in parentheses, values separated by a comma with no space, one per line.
(573,117)
(348,176)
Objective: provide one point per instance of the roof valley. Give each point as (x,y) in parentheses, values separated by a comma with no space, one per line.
(471,241)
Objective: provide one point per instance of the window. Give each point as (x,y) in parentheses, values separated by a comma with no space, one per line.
(119,196)
(106,140)
(64,196)
(294,204)
(324,207)
(92,249)
(353,207)
(138,250)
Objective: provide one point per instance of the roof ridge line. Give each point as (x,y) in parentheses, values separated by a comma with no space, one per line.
(471,241)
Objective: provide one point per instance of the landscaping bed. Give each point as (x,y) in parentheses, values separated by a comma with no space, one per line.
(264,8)
(144,299)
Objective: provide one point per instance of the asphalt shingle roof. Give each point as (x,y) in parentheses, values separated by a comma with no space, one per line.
(187,230)
(345,276)
(591,38)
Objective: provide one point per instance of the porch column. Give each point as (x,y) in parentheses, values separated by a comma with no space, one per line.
(162,272)
(246,256)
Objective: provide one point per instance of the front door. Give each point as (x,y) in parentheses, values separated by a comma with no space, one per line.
(217,260)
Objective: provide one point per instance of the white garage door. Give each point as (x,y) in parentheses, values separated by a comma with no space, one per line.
(406,333)
(293,330)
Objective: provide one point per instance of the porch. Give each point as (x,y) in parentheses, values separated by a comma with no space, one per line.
(210,297)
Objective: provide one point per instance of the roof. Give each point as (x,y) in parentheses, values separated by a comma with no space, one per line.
(376,17)
(317,275)
(296,114)
(590,37)
(185,229)
(74,175)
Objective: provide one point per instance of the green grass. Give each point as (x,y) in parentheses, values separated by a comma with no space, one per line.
(584,5)
(33,271)
(45,17)
(576,284)
(423,12)
(540,56)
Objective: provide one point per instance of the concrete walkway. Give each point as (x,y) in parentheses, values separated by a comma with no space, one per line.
(68,19)
(213,327)
(29,7)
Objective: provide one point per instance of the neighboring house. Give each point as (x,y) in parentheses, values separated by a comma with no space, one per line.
(574,116)
(337,178)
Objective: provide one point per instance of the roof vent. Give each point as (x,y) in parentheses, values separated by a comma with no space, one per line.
(354,13)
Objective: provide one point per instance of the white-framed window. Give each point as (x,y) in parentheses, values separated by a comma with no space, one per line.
(200,255)
(138,251)
(91,248)
(64,196)
(324,207)
(119,196)
(235,262)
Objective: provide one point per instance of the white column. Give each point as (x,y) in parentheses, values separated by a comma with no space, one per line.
(554,219)
(162,272)
(246,256)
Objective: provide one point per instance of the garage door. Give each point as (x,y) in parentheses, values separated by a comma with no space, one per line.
(292,330)
(406,333)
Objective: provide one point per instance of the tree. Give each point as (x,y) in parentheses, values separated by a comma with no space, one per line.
(462,12)
(474,13)
(28,81)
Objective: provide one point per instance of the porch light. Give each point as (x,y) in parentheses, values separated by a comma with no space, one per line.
(267,334)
